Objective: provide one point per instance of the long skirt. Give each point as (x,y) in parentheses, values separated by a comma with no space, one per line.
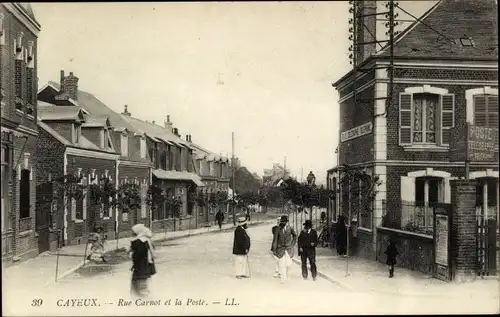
(241,265)
(139,287)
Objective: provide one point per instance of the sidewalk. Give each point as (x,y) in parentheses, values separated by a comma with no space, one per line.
(41,270)
(370,276)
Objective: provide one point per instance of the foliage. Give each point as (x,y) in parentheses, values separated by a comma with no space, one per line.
(367,191)
(68,186)
(127,197)
(200,198)
(155,197)
(245,181)
(175,204)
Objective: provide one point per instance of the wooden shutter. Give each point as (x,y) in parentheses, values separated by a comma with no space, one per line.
(407,189)
(143,200)
(447,117)
(405,115)
(492,107)
(480,116)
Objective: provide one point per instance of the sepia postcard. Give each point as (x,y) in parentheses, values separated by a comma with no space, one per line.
(249,158)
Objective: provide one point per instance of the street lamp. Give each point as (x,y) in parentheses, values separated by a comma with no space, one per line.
(311,179)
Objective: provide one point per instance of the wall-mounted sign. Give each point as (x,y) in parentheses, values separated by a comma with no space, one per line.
(476,144)
(356,132)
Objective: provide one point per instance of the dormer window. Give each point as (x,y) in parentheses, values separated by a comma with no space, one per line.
(124,144)
(77,131)
(143,147)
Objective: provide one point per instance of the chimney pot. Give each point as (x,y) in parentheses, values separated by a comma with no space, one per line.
(153,122)
(71,73)
(187,137)
(176,131)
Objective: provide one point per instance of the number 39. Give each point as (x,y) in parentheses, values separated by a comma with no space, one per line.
(37,302)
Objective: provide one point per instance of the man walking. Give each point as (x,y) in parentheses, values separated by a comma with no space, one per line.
(241,247)
(283,243)
(219,217)
(307,241)
(275,231)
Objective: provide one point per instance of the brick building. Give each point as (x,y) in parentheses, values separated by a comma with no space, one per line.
(441,80)
(81,136)
(215,173)
(19,31)
(172,159)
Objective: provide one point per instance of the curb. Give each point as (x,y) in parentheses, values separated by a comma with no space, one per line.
(329,278)
(388,292)
(81,264)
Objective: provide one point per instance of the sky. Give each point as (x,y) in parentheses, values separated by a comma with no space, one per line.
(262,70)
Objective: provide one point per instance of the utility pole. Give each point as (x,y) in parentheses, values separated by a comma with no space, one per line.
(234,179)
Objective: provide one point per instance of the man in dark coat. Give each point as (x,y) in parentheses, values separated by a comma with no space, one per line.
(307,242)
(241,247)
(219,217)
(341,236)
(274,230)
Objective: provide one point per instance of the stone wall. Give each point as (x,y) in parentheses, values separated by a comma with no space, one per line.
(416,251)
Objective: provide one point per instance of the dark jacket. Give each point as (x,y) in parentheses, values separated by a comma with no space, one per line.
(284,240)
(391,253)
(219,216)
(140,266)
(274,230)
(305,239)
(241,241)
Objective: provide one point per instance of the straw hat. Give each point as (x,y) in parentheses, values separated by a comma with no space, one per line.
(242,221)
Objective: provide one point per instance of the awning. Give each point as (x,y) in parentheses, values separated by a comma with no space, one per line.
(179,176)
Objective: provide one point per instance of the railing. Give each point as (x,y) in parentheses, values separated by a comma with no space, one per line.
(412,217)
(25,224)
(490,211)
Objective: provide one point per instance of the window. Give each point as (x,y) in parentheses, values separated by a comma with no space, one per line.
(425,118)
(102,143)
(144,192)
(124,145)
(486,110)
(2,31)
(143,147)
(486,190)
(24,196)
(163,160)
(427,191)
(107,139)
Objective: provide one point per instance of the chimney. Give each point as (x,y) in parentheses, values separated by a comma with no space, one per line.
(367,32)
(176,131)
(125,112)
(190,138)
(61,81)
(187,137)
(167,123)
(153,122)
(69,85)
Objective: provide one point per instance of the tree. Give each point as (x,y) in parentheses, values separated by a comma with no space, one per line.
(366,193)
(155,198)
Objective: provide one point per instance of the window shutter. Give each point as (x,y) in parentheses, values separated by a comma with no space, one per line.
(447,117)
(405,114)
(407,189)
(480,118)
(493,111)
(84,205)
(73,208)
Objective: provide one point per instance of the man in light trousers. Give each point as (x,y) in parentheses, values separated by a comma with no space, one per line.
(284,242)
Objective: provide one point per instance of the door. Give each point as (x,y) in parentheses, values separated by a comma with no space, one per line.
(43,216)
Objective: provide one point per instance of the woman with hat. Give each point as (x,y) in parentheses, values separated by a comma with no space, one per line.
(241,247)
(307,241)
(143,266)
(283,243)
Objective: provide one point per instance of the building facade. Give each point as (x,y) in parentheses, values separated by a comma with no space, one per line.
(439,83)
(19,31)
(80,136)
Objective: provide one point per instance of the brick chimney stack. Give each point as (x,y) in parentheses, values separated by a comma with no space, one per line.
(367,32)
(69,85)
(168,124)
(125,112)
(176,131)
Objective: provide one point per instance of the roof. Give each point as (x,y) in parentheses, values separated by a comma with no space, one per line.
(48,111)
(28,10)
(96,122)
(153,130)
(176,175)
(93,105)
(453,19)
